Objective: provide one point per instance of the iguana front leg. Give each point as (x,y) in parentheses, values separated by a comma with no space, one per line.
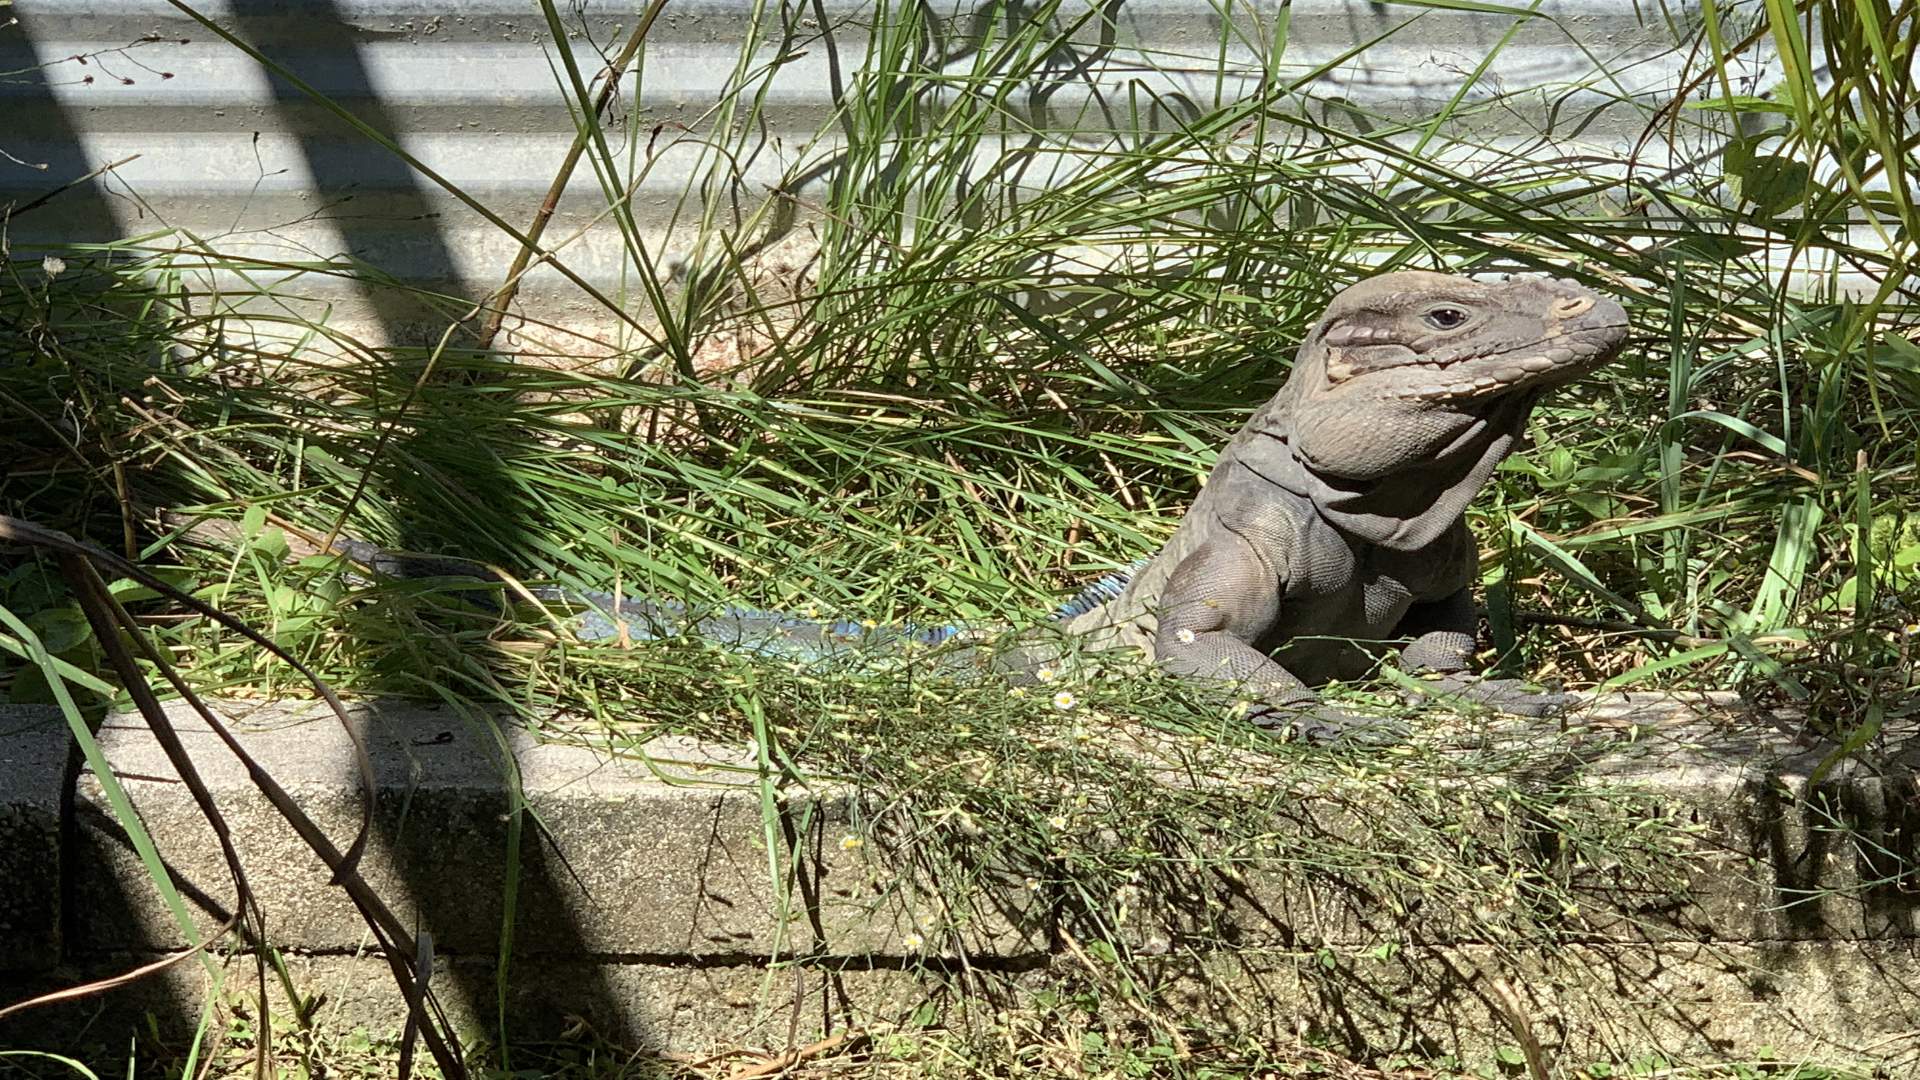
(1441,652)
(1221,599)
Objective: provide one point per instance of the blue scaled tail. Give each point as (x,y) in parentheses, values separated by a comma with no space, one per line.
(745,629)
(1100,592)
(737,628)
(782,634)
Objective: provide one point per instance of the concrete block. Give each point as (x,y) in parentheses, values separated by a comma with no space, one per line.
(1794,842)
(35,749)
(658,851)
(1769,854)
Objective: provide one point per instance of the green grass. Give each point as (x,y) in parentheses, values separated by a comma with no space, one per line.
(977,402)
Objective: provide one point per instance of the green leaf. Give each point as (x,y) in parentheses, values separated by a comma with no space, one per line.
(1742,428)
(1793,546)
(43,1055)
(60,629)
(1906,558)
(271,544)
(1774,184)
(1857,736)
(1738,103)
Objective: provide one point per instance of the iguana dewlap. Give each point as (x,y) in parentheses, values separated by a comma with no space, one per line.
(1337,514)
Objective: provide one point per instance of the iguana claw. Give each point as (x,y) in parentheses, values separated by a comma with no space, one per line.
(1502,695)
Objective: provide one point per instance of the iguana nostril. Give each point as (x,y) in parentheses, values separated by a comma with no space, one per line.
(1568,308)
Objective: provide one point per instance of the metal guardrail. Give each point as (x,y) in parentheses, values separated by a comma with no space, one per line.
(204,140)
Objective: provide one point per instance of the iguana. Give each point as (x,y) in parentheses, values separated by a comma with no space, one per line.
(1337,513)
(1336,516)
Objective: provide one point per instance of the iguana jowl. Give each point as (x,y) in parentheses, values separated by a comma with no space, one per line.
(1337,514)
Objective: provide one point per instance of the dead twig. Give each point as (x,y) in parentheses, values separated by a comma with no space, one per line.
(1509,1007)
(780,1063)
(69,185)
(496,304)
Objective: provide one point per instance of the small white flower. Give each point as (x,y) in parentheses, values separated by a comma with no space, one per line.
(851,842)
(1033,884)
(913,941)
(54,265)
(1018,691)
(1183,635)
(1046,674)
(869,624)
(1058,821)
(1065,700)
(813,611)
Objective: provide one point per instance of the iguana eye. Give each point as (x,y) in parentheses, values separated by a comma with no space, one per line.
(1445,318)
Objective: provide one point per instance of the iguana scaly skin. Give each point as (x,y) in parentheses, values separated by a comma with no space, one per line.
(1337,514)
(1335,518)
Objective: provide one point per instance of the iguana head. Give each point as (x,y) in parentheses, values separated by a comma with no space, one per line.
(1414,385)
(1405,365)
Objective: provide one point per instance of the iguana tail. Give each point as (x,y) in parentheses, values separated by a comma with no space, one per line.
(736,628)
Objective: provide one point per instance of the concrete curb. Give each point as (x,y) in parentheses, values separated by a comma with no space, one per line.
(650,903)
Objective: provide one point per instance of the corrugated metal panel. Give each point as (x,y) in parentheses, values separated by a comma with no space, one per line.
(248,163)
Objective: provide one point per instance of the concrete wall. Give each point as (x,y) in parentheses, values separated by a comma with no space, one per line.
(243,161)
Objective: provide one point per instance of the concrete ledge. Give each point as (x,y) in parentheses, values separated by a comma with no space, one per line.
(1774,856)
(662,855)
(1852,1003)
(647,899)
